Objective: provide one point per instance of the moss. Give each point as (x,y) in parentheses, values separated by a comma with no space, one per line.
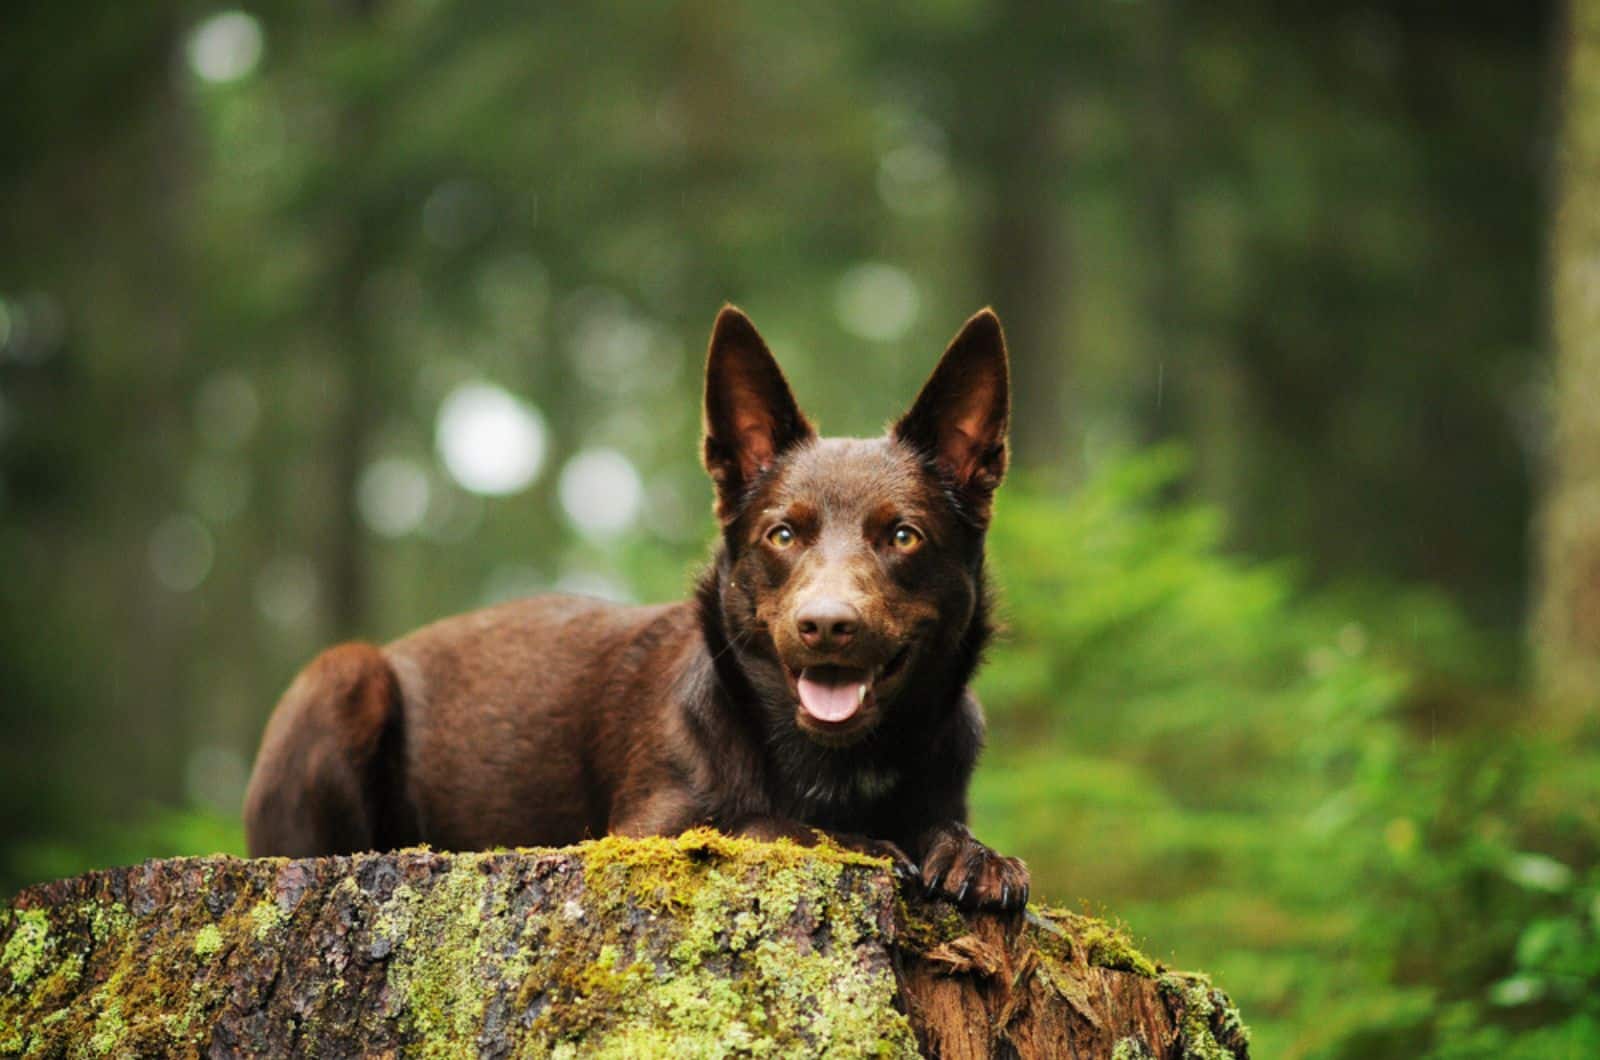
(1199,1017)
(1109,947)
(267,918)
(207,941)
(109,1029)
(767,952)
(1048,937)
(660,869)
(1059,934)
(696,945)
(106,921)
(148,989)
(1131,1049)
(926,925)
(439,939)
(29,947)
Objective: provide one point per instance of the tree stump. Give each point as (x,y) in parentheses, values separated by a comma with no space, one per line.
(700,945)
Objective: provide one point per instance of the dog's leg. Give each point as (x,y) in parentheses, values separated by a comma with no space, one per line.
(329,778)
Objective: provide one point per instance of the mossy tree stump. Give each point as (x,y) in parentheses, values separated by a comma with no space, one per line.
(696,946)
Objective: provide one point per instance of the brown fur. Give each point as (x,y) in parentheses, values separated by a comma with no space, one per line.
(556,718)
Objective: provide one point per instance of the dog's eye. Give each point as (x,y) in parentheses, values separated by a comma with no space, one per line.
(906,538)
(780,536)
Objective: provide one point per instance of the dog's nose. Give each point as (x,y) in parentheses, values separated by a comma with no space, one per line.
(826,624)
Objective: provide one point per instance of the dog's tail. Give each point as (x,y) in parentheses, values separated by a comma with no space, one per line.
(330,777)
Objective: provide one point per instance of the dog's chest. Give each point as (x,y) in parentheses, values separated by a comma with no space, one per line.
(840,795)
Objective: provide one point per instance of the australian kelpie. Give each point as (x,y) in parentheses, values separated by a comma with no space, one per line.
(818,679)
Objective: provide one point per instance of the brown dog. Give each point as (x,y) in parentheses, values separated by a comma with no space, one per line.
(817,681)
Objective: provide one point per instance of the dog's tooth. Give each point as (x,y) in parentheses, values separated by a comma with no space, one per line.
(861,693)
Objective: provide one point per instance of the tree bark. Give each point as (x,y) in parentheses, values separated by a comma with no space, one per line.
(1567,619)
(695,946)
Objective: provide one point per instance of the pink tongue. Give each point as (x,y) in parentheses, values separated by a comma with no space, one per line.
(829,702)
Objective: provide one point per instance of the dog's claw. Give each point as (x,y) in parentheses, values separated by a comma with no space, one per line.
(961,895)
(1005,896)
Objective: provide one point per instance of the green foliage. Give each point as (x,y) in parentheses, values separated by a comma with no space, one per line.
(1292,788)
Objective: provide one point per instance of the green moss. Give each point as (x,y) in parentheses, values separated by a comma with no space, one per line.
(1131,1049)
(267,918)
(207,941)
(151,987)
(29,946)
(1109,947)
(1199,1014)
(1059,933)
(763,953)
(109,1028)
(659,870)
(106,921)
(440,939)
(926,925)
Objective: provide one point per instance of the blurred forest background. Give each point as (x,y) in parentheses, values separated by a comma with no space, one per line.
(325,320)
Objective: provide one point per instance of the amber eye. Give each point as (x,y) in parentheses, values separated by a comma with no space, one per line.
(906,538)
(780,536)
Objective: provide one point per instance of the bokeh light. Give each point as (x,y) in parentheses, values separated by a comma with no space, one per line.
(877,301)
(227,410)
(218,489)
(286,590)
(226,47)
(600,492)
(393,496)
(181,552)
(491,442)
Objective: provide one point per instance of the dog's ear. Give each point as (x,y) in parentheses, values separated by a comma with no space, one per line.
(959,419)
(750,416)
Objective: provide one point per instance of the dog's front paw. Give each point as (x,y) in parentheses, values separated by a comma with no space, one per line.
(958,867)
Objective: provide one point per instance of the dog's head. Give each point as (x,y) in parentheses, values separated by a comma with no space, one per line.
(851,565)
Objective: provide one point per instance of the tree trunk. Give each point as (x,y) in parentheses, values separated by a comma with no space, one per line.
(1567,620)
(696,946)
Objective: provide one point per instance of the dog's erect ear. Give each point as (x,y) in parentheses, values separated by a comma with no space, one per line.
(959,419)
(751,416)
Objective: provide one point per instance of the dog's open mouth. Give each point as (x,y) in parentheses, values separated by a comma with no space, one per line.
(834,695)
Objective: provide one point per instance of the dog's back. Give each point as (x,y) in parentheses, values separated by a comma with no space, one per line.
(490,728)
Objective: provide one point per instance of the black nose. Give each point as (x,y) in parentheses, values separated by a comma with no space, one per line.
(827,624)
